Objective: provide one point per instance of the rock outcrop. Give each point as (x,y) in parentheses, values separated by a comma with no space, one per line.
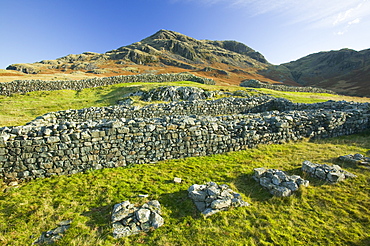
(278,182)
(212,198)
(128,219)
(326,172)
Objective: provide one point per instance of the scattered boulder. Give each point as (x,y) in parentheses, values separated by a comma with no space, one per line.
(356,159)
(326,172)
(211,198)
(128,219)
(51,236)
(278,182)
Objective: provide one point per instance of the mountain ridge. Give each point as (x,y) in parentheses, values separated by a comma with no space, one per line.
(344,71)
(227,62)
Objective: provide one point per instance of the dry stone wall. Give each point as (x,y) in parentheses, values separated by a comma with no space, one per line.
(24,86)
(257,84)
(223,106)
(66,146)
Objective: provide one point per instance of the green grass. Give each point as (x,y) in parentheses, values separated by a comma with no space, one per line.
(321,214)
(19,109)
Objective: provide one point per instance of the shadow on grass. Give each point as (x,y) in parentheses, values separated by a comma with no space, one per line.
(179,205)
(99,218)
(251,188)
(365,241)
(118,93)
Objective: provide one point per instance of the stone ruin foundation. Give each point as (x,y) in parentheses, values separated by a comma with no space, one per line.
(127,219)
(326,172)
(212,198)
(356,159)
(51,236)
(278,182)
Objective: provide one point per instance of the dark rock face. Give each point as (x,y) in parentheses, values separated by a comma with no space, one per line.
(240,48)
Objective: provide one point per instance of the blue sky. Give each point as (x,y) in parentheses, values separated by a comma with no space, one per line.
(282,30)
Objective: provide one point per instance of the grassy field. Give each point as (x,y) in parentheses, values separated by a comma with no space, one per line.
(19,109)
(321,214)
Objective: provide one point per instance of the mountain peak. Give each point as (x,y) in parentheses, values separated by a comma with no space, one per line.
(168,35)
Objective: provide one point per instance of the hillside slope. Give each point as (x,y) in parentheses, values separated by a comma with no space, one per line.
(344,71)
(229,62)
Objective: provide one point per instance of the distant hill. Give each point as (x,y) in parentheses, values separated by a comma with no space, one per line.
(227,62)
(345,71)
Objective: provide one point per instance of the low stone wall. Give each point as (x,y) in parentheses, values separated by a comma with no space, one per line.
(223,106)
(278,182)
(67,147)
(333,173)
(212,198)
(24,86)
(257,84)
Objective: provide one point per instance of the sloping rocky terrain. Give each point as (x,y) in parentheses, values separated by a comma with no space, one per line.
(344,71)
(228,62)
(163,52)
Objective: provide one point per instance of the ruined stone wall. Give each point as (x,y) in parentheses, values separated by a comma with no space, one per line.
(67,147)
(223,106)
(24,86)
(257,84)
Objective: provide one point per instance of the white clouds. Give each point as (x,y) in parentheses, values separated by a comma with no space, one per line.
(346,27)
(339,14)
(355,21)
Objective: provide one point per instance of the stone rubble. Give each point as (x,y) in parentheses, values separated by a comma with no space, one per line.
(51,236)
(278,182)
(326,172)
(356,159)
(211,198)
(128,219)
(176,93)
(257,84)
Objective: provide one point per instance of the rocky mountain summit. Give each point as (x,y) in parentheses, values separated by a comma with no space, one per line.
(176,49)
(163,52)
(227,62)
